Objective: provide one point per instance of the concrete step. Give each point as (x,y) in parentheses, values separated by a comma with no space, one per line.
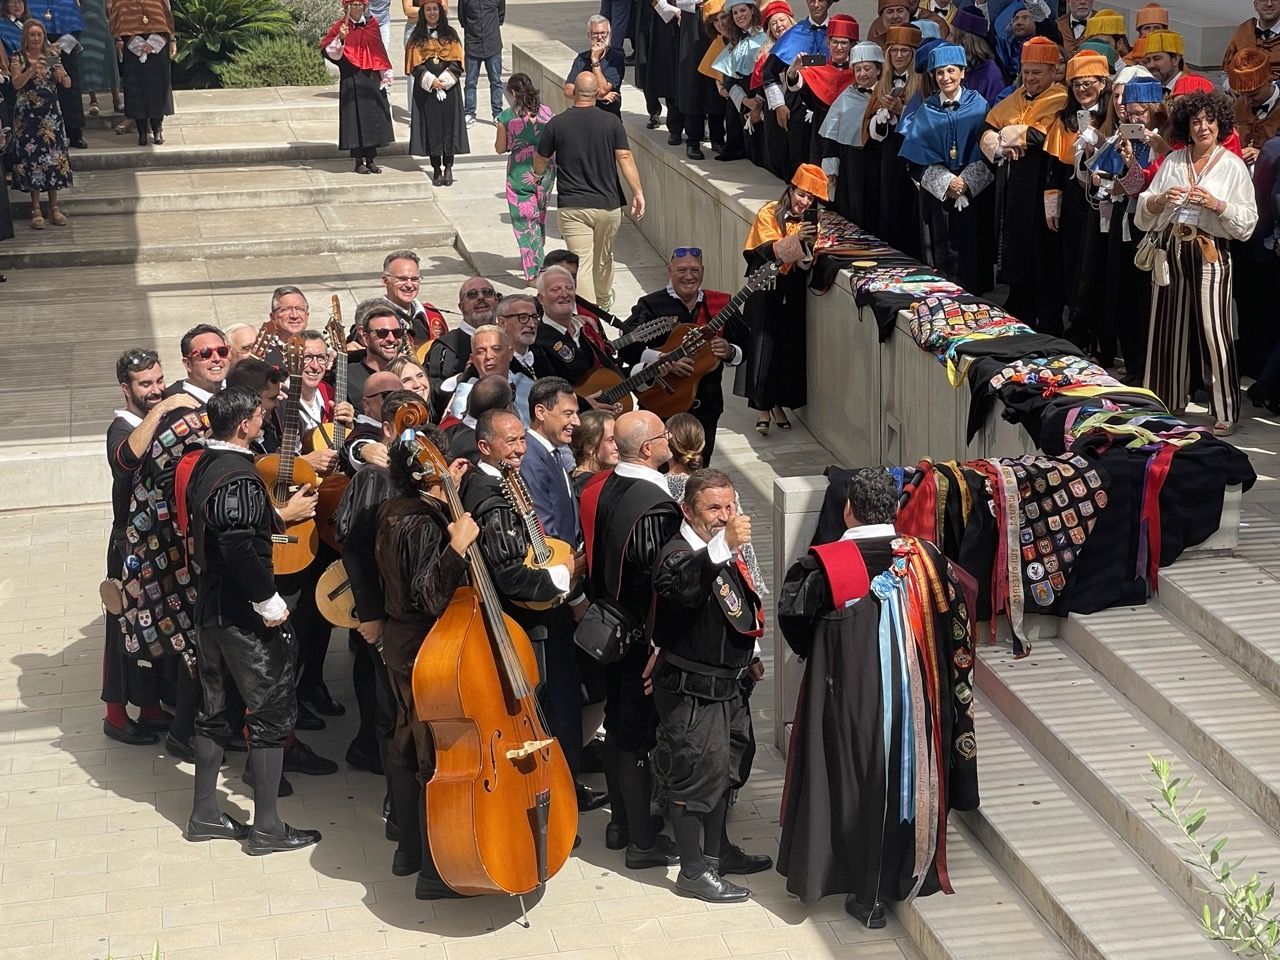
(1192,692)
(214,234)
(987,917)
(1071,868)
(1099,743)
(125,191)
(226,111)
(1232,603)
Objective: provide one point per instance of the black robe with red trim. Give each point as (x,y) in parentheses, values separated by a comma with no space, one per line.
(842,829)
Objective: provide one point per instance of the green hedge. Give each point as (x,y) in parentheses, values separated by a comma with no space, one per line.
(287,61)
(210,32)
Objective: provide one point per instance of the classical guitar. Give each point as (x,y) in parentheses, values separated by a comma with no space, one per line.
(285,472)
(332,436)
(544,551)
(671,393)
(606,380)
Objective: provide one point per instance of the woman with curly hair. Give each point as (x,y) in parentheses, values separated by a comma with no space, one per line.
(1205,194)
(518,129)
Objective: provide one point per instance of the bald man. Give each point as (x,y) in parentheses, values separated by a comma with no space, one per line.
(590,148)
(364,442)
(634,517)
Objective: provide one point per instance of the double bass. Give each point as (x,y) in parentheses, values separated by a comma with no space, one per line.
(502,810)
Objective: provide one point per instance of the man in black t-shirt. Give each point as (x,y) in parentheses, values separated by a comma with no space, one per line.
(590,148)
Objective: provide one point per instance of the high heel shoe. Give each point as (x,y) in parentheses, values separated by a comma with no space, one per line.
(762,426)
(780,419)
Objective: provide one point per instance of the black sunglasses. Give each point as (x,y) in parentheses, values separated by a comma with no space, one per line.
(487,292)
(137,360)
(395,333)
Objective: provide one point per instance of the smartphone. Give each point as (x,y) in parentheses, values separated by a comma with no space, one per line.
(811,215)
(812,59)
(1132,131)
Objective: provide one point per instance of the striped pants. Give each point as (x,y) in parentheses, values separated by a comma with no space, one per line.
(1194,313)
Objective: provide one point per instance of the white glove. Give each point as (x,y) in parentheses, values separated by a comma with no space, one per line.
(138,47)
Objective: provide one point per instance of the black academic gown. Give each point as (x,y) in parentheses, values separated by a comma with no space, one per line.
(841,828)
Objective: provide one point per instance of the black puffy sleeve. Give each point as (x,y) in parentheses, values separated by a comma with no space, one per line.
(234,513)
(804,597)
(437,569)
(504,550)
(358,529)
(683,579)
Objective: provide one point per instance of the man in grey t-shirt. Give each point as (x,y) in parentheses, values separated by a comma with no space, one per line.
(590,148)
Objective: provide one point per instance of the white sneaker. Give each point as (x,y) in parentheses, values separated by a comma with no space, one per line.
(471,121)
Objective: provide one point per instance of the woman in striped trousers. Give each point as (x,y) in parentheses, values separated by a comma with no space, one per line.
(1206,193)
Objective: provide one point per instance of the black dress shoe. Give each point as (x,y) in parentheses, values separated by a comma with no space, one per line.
(871,917)
(363,760)
(319,701)
(373,167)
(664,853)
(727,156)
(160,725)
(592,757)
(142,140)
(717,146)
(429,889)
(616,836)
(226,828)
(299,758)
(403,865)
(179,749)
(694,152)
(130,733)
(157,139)
(735,860)
(79,143)
(361,167)
(285,790)
(654,120)
(712,887)
(1257,396)
(589,799)
(289,838)
(674,139)
(306,719)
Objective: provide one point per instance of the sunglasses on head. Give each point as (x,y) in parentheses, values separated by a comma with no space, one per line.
(486,292)
(138,360)
(207,353)
(679,252)
(395,333)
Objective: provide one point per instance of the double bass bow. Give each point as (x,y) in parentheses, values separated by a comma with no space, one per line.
(502,809)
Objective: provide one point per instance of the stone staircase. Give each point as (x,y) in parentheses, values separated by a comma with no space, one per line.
(248,193)
(1066,856)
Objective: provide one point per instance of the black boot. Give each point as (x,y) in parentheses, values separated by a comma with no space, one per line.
(142,132)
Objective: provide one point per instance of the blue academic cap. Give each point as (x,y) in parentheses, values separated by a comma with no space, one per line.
(1143,91)
(947,55)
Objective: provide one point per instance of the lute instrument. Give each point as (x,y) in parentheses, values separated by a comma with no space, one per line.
(284,473)
(544,552)
(501,808)
(332,436)
(674,393)
(607,380)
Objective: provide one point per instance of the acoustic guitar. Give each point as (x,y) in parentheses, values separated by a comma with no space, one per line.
(671,393)
(334,598)
(331,436)
(544,551)
(284,473)
(611,385)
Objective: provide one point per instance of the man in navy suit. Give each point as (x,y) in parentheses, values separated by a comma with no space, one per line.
(553,416)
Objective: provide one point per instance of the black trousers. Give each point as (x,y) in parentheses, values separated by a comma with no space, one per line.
(260,665)
(701,746)
(629,717)
(310,627)
(560,689)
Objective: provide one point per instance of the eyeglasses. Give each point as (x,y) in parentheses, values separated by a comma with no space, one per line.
(399,279)
(207,353)
(487,292)
(141,359)
(522,318)
(379,395)
(315,359)
(395,333)
(599,36)
(679,252)
(664,435)
(302,310)
(1084,82)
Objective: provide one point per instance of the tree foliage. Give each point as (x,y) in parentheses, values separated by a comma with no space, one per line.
(210,32)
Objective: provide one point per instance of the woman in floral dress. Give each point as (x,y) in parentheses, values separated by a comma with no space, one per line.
(42,164)
(519,127)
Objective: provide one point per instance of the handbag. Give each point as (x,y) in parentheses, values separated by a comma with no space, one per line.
(606,631)
(1152,255)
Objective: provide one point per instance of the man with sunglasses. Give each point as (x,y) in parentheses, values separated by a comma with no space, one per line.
(129,436)
(684,297)
(206,357)
(402,279)
(448,355)
(384,341)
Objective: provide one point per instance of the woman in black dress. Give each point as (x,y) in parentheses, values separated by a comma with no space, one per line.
(433,57)
(354,43)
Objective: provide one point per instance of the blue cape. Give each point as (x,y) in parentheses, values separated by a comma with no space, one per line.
(931,131)
(803,37)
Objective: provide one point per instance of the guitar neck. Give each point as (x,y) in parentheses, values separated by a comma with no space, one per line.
(339,395)
(289,430)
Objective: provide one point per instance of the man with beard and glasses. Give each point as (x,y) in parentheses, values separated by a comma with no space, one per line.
(448,355)
(379,322)
(126,679)
(517,313)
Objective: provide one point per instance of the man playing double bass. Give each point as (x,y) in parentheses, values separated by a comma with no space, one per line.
(684,298)
(420,557)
